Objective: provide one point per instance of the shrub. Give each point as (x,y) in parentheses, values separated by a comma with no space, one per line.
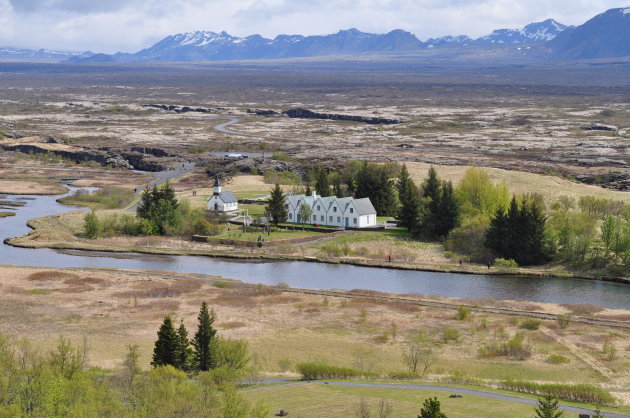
(315,371)
(563,321)
(282,177)
(557,359)
(92,225)
(502,263)
(609,351)
(581,392)
(450,334)
(530,323)
(516,347)
(463,313)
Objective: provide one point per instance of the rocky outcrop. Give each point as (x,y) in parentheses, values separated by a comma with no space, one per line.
(308,114)
(600,127)
(106,157)
(181,109)
(225,167)
(262,112)
(156,152)
(615,181)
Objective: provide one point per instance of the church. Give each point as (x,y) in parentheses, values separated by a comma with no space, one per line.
(221,201)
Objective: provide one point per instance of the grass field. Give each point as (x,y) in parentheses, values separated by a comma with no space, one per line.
(319,400)
(235,232)
(551,187)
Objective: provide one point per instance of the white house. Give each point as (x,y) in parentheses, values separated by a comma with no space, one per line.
(220,201)
(333,211)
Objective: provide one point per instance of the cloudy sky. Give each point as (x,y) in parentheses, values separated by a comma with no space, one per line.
(128,25)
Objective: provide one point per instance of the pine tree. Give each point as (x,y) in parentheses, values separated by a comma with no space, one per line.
(431,409)
(184,351)
(322,186)
(276,208)
(409,199)
(337,189)
(548,407)
(165,350)
(431,186)
(447,211)
(160,207)
(202,342)
(307,191)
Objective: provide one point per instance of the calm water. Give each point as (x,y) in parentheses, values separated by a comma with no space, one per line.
(311,275)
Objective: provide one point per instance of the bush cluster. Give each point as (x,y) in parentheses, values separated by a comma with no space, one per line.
(581,392)
(316,370)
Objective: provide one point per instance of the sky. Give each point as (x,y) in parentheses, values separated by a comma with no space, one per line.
(129,25)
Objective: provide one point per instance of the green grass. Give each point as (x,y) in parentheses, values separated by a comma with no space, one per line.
(319,400)
(282,234)
(106,198)
(5,214)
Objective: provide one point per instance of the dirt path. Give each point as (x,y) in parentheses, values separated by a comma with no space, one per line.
(579,353)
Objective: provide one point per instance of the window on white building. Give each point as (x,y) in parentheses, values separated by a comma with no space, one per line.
(335,209)
(290,216)
(314,218)
(319,207)
(321,218)
(338,219)
(355,221)
(330,219)
(351,210)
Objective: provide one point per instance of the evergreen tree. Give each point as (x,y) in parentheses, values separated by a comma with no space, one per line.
(165,350)
(159,206)
(308,191)
(337,188)
(431,409)
(203,339)
(548,407)
(409,199)
(184,351)
(322,186)
(431,186)
(276,207)
(372,181)
(446,216)
(519,234)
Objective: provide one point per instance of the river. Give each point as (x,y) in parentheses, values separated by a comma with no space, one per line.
(310,275)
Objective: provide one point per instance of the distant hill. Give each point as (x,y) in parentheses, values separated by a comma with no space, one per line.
(607,35)
(211,46)
(21,54)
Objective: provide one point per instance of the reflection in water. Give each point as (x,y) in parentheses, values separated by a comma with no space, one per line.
(312,275)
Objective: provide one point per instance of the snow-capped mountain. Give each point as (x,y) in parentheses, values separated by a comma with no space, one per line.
(532,33)
(449,41)
(607,35)
(211,46)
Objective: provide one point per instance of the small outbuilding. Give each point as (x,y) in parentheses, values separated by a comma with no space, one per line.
(222,201)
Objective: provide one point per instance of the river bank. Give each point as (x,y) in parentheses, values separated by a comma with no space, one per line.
(61,232)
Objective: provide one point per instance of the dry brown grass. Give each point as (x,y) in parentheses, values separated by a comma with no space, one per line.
(231,325)
(77,281)
(582,308)
(77,289)
(51,275)
(160,290)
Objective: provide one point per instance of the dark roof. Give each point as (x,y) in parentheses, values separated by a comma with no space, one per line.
(364,206)
(227,197)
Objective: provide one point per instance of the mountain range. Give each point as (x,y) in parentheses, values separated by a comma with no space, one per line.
(605,35)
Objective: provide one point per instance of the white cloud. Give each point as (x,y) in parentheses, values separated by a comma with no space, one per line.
(129,25)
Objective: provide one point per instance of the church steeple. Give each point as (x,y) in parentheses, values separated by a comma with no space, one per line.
(217,185)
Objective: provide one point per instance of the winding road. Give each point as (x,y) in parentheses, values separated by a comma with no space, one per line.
(223,128)
(450,389)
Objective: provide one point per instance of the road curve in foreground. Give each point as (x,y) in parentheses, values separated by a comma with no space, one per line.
(450,389)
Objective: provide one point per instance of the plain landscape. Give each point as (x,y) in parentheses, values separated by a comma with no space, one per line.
(560,133)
